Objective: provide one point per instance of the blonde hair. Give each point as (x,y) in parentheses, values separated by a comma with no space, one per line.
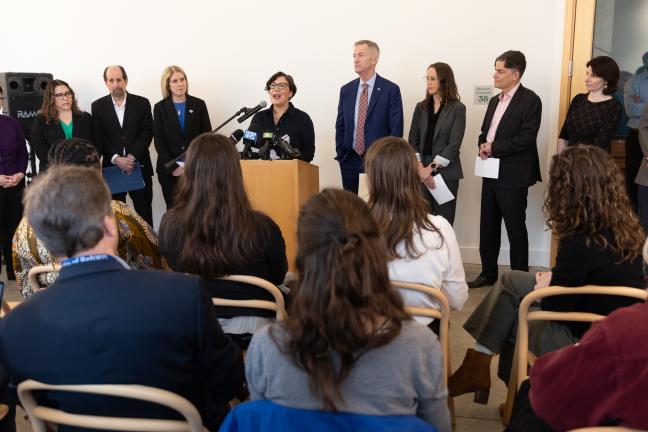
(371,44)
(166,77)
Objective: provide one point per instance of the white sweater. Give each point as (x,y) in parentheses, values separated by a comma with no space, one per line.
(439,267)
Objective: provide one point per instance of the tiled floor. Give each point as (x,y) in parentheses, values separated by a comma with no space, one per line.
(471,417)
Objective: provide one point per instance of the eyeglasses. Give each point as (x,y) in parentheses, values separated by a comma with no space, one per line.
(427,78)
(60,96)
(280,86)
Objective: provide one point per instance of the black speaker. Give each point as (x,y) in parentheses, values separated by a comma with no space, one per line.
(24,92)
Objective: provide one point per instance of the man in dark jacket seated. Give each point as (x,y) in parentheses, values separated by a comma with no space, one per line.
(103,323)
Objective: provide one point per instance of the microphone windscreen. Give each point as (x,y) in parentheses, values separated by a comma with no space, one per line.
(236,135)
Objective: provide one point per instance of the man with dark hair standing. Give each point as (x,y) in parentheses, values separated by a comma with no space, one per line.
(370,107)
(123,129)
(103,323)
(509,133)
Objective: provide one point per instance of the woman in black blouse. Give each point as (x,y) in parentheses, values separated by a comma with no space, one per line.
(593,117)
(212,231)
(177,120)
(588,209)
(283,119)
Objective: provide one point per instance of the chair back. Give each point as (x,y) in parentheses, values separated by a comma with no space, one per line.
(39,415)
(33,273)
(267,416)
(605,429)
(278,306)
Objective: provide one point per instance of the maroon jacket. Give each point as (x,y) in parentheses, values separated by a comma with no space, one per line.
(601,381)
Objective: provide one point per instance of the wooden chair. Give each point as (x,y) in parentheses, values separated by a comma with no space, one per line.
(443,315)
(39,415)
(522,358)
(278,306)
(33,273)
(605,429)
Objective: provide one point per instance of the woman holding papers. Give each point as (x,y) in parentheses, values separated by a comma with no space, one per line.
(177,119)
(436,134)
(59,118)
(422,247)
(588,209)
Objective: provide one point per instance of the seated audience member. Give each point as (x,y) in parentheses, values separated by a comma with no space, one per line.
(347,345)
(104,323)
(212,231)
(604,390)
(423,247)
(587,208)
(138,244)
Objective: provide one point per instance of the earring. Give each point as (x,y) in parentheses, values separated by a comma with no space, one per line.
(605,85)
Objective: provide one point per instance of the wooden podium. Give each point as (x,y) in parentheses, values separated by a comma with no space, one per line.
(279,188)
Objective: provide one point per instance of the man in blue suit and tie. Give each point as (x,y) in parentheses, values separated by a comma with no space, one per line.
(370,108)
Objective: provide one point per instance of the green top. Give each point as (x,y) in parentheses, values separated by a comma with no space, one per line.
(67,128)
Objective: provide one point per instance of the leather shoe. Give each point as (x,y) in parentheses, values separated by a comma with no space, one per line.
(481,281)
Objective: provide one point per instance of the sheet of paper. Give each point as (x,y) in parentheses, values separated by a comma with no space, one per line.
(363,187)
(488,168)
(441,193)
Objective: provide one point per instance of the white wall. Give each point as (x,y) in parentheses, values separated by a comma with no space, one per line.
(230,48)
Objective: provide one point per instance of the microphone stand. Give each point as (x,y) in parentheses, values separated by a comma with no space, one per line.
(172,162)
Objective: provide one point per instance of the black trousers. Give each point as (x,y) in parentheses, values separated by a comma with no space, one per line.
(633,158)
(446,210)
(168,184)
(142,200)
(11,210)
(499,203)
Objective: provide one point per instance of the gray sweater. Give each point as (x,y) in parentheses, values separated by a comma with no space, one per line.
(404,377)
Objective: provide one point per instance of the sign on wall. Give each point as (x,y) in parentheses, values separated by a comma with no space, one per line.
(483,94)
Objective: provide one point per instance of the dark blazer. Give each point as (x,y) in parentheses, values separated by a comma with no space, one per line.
(384,115)
(100,323)
(170,140)
(515,141)
(448,135)
(135,135)
(44,135)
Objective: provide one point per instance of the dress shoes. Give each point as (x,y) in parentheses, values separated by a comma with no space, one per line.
(473,376)
(481,281)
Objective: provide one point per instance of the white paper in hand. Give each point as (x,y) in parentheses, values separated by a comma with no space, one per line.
(441,193)
(488,168)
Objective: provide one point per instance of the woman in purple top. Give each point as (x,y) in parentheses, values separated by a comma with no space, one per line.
(13,163)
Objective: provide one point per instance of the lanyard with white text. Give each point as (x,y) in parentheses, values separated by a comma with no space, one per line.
(85,258)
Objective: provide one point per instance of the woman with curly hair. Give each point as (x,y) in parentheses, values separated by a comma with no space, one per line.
(588,209)
(59,118)
(347,328)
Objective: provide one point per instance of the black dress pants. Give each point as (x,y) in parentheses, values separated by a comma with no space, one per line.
(11,210)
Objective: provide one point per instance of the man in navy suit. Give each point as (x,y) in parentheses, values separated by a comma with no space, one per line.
(370,107)
(103,323)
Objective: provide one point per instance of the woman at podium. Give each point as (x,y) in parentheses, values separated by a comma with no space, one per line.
(284,120)
(177,119)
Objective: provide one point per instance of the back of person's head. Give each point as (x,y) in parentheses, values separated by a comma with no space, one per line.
(212,210)
(395,195)
(66,206)
(587,195)
(343,295)
(513,60)
(74,151)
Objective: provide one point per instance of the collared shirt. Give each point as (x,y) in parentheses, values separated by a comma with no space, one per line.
(13,148)
(504,101)
(371,81)
(119,110)
(637,86)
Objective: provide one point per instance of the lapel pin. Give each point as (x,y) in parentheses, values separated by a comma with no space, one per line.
(190,111)
(378,88)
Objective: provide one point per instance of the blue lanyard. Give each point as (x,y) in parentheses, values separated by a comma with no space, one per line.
(85,258)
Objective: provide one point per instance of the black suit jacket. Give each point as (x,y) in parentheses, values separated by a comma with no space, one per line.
(44,135)
(515,140)
(100,323)
(134,136)
(170,140)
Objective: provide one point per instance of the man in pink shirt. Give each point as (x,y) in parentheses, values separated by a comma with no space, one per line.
(508,133)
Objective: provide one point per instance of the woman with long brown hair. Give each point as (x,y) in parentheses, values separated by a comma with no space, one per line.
(436,134)
(59,118)
(348,344)
(423,247)
(587,208)
(212,231)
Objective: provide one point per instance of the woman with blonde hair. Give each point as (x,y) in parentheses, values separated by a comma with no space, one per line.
(423,247)
(177,119)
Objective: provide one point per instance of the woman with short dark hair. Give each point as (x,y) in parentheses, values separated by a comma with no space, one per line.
(283,119)
(593,117)
(347,345)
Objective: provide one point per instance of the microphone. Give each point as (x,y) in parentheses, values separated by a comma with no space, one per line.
(250,112)
(236,136)
(250,140)
(287,151)
(264,151)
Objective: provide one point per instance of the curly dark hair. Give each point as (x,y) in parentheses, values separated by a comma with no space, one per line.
(587,195)
(74,151)
(343,304)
